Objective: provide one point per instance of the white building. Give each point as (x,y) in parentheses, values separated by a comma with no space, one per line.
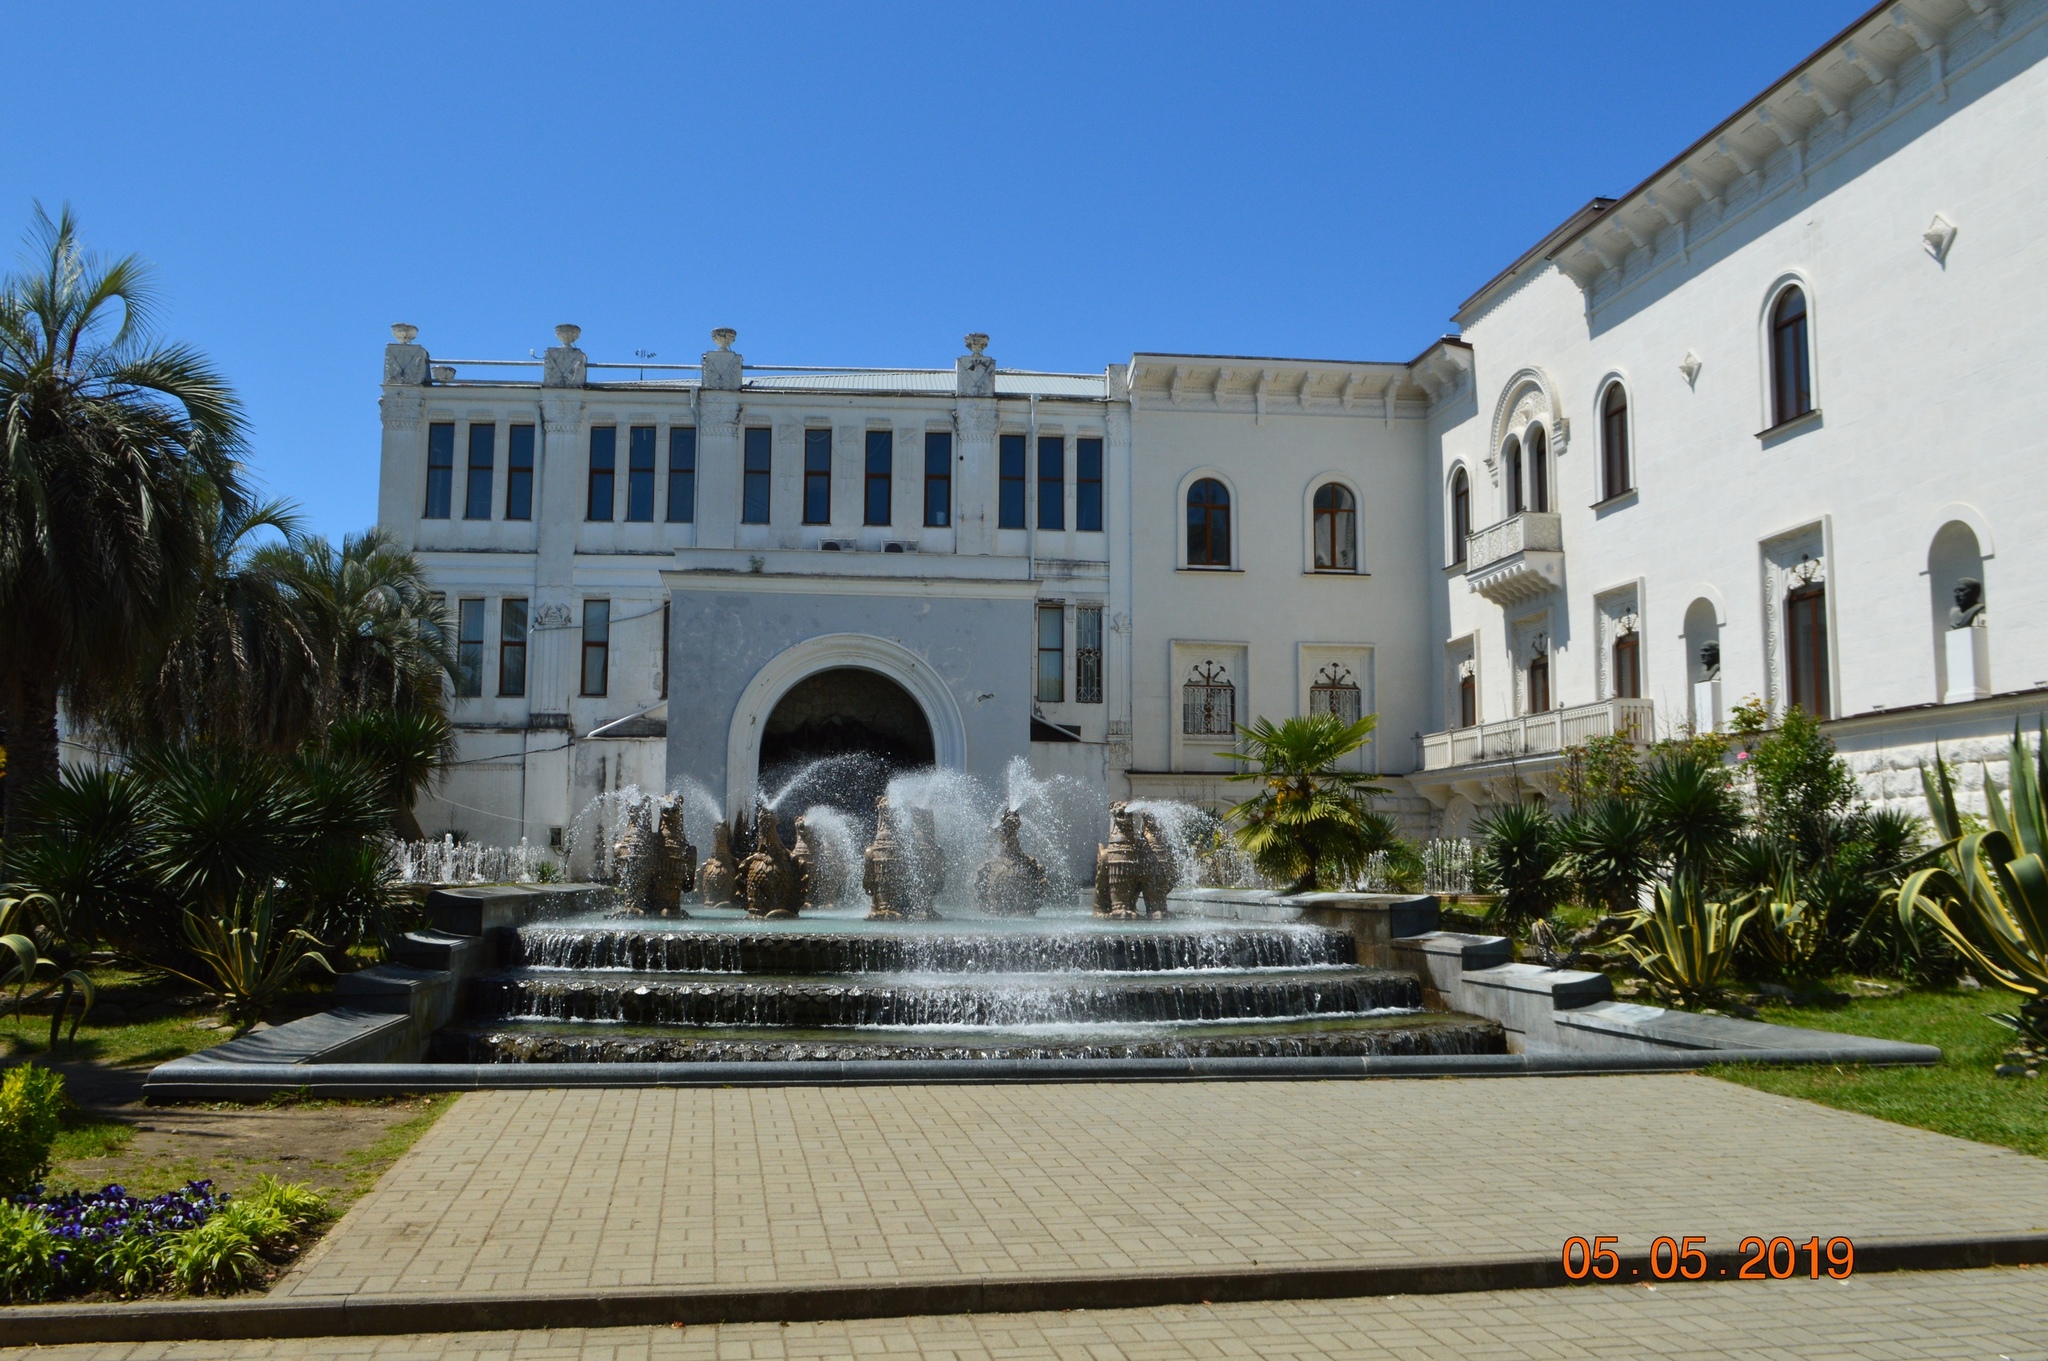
(1770,406)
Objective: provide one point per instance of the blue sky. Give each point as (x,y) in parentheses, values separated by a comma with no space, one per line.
(847,184)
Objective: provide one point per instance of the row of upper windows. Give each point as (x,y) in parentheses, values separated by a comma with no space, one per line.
(757,482)
(1525,457)
(1334,527)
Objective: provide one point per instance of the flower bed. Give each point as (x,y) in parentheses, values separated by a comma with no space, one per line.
(108,1242)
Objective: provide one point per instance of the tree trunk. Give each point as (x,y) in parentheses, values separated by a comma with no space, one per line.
(31,746)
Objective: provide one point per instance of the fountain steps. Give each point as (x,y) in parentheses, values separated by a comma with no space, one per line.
(954,1000)
(929,948)
(1427,1033)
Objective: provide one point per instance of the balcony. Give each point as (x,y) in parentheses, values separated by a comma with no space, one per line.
(1519,559)
(1537,734)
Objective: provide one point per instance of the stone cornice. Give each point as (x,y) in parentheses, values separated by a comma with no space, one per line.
(1263,386)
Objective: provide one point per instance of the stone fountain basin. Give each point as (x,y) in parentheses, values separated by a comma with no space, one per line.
(1425,1033)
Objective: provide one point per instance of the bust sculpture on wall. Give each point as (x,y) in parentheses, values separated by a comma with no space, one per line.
(1710,661)
(1969,606)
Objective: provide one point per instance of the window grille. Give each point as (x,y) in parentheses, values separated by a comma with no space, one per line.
(1208,702)
(1052,653)
(1336,693)
(1088,654)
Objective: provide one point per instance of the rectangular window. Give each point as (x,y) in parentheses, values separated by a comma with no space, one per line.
(440,470)
(483,457)
(1628,674)
(881,464)
(1539,685)
(817,477)
(1052,482)
(1052,653)
(469,648)
(604,464)
(1208,703)
(1088,484)
(640,473)
(512,649)
(1806,647)
(1010,500)
(519,474)
(938,478)
(1468,701)
(682,475)
(1088,654)
(597,646)
(759,467)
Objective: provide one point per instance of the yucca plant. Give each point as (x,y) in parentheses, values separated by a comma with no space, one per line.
(1310,821)
(246,961)
(1685,945)
(1987,893)
(1517,856)
(1608,851)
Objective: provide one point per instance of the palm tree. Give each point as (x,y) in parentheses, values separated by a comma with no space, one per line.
(403,748)
(378,632)
(1311,820)
(114,449)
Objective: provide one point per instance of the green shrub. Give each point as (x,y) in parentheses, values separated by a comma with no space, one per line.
(266,1225)
(1517,852)
(133,1263)
(31,1105)
(299,1204)
(28,1253)
(217,1257)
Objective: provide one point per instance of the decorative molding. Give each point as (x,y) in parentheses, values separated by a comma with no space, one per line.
(1939,236)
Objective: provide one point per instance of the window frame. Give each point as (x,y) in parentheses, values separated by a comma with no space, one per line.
(1008,483)
(817,493)
(1337,516)
(880,484)
(640,461)
(938,447)
(1511,473)
(1461,514)
(1536,452)
(440,502)
(682,475)
(750,446)
(1617,441)
(598,647)
(469,647)
(476,485)
(1052,491)
(1805,391)
(512,648)
(1088,504)
(518,475)
(1050,686)
(1208,562)
(1088,654)
(605,471)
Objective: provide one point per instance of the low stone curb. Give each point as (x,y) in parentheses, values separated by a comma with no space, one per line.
(202,1080)
(382,1315)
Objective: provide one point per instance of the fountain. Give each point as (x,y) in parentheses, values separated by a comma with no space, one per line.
(946,919)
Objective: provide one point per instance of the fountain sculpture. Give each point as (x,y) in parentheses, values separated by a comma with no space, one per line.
(1136,864)
(884,869)
(774,886)
(718,879)
(819,867)
(1010,883)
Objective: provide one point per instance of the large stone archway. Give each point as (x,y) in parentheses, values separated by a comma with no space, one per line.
(874,663)
(838,736)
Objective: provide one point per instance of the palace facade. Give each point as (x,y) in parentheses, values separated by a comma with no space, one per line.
(1762,427)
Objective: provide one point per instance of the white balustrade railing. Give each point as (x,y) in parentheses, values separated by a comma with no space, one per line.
(1532,530)
(1537,734)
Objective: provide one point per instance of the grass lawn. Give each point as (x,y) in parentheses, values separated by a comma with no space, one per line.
(1957,1096)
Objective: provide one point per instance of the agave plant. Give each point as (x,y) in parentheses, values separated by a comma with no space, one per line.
(1685,945)
(247,962)
(1994,881)
(29,968)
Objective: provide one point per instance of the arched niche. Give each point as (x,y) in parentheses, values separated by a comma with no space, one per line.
(1958,600)
(1703,664)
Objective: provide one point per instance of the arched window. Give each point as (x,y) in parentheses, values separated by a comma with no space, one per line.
(1614,443)
(1461,514)
(1208,524)
(1336,529)
(1539,469)
(1511,460)
(1791,359)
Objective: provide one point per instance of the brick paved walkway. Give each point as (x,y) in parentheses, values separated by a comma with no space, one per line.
(577,1189)
(1978,1314)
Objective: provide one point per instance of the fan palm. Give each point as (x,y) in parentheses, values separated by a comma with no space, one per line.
(114,447)
(403,748)
(1310,821)
(378,631)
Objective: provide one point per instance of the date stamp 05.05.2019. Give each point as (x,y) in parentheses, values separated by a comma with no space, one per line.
(1688,1259)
